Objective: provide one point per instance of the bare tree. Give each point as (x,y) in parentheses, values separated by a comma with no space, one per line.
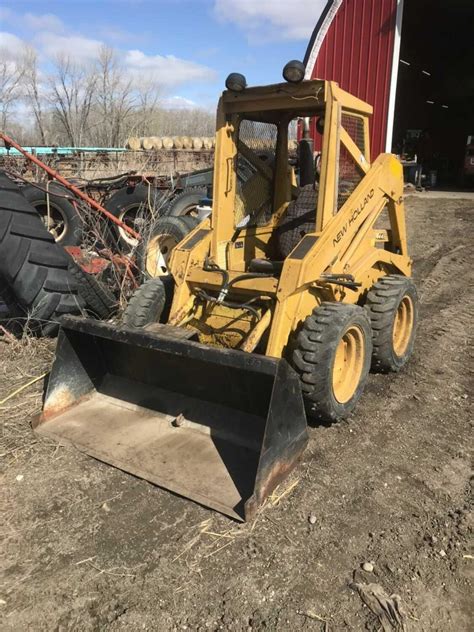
(11,75)
(72,93)
(33,91)
(115,99)
(147,111)
(99,104)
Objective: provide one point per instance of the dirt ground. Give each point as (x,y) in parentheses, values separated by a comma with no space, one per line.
(88,547)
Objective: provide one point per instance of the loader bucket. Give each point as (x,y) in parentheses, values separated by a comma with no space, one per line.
(221,427)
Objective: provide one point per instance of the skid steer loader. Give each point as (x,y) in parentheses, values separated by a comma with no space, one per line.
(275,308)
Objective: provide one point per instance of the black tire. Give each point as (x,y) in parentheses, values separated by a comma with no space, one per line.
(32,264)
(67,225)
(11,314)
(167,230)
(132,205)
(190,221)
(99,300)
(184,203)
(392,295)
(314,358)
(150,303)
(299,219)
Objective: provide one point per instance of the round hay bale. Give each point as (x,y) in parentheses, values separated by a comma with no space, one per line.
(197,143)
(207,143)
(292,144)
(133,143)
(187,142)
(147,142)
(157,143)
(167,142)
(177,142)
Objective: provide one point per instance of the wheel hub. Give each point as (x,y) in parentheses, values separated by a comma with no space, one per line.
(158,254)
(348,364)
(402,326)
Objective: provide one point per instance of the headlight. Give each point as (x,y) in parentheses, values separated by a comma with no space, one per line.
(294,71)
(235,82)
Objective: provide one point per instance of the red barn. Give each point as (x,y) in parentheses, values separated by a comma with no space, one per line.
(413,62)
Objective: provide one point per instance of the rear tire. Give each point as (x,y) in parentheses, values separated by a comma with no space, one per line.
(332,356)
(150,303)
(392,306)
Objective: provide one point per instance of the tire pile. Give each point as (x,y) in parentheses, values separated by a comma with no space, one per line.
(40,281)
(34,269)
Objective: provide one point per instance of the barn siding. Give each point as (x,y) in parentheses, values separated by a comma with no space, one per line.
(357,53)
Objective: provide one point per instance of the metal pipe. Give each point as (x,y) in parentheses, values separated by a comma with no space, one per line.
(257,332)
(80,194)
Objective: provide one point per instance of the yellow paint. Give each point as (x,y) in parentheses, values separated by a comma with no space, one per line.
(348,241)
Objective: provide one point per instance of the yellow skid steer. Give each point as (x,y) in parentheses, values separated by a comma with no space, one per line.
(274,309)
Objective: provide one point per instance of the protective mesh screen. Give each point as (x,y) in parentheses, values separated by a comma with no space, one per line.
(354,126)
(349,173)
(256,149)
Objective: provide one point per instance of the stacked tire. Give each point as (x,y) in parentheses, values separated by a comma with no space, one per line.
(134,206)
(184,204)
(33,266)
(57,211)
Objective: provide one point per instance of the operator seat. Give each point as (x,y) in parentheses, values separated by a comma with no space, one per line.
(298,220)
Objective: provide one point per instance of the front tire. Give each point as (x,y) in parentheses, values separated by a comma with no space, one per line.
(392,306)
(150,303)
(332,357)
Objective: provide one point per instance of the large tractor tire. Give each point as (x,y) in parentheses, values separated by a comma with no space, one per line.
(64,222)
(10,312)
(186,202)
(332,355)
(99,300)
(392,306)
(154,251)
(135,207)
(32,264)
(150,303)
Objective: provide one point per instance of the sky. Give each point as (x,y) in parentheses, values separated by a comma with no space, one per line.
(190,46)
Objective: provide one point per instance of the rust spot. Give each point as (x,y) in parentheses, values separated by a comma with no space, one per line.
(57,402)
(277,473)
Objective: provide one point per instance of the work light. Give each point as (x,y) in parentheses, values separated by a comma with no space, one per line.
(294,71)
(235,82)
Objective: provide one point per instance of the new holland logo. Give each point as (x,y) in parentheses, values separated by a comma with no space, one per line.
(354,215)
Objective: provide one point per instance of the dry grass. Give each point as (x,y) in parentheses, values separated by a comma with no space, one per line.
(33,357)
